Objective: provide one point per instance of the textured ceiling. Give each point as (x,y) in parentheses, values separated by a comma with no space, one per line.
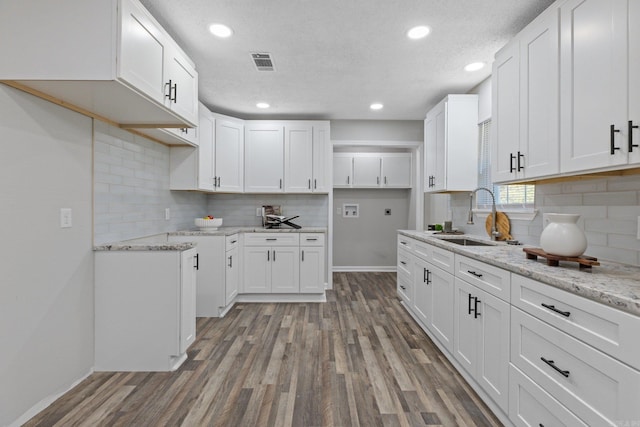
(333,58)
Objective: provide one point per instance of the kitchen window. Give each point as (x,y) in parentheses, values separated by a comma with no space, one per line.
(509,198)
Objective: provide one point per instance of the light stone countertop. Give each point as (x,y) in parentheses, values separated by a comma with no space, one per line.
(160,242)
(610,283)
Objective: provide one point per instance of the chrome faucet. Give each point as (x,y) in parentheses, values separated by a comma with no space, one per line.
(494,231)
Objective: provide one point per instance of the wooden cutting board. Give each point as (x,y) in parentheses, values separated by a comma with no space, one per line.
(503,225)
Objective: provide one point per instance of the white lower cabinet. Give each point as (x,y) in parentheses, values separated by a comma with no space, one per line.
(312,265)
(271,263)
(481,339)
(232,268)
(144,309)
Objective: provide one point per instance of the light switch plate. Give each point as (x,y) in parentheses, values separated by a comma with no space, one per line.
(66,218)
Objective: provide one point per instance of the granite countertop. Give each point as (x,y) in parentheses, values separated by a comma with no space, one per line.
(160,242)
(610,283)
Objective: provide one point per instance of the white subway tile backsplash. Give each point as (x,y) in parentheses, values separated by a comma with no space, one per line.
(591,185)
(624,183)
(610,198)
(610,226)
(561,199)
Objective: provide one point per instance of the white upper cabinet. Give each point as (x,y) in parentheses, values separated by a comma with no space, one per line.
(372,170)
(264,158)
(451,145)
(525,127)
(287,156)
(229,155)
(595,77)
(112,59)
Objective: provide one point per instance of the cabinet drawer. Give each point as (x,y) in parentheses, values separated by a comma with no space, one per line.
(405,242)
(597,388)
(529,405)
(271,239)
(232,241)
(311,239)
(405,289)
(609,330)
(487,277)
(423,250)
(404,264)
(443,258)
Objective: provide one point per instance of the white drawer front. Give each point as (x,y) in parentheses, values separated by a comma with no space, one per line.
(612,331)
(492,279)
(405,242)
(423,250)
(443,258)
(405,288)
(232,241)
(404,264)
(529,405)
(271,239)
(311,239)
(597,388)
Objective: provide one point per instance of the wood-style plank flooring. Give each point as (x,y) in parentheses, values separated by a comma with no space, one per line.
(357,360)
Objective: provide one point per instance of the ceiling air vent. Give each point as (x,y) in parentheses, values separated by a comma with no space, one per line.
(263,61)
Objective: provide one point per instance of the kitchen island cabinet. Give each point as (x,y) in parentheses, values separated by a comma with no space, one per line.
(130,71)
(145,307)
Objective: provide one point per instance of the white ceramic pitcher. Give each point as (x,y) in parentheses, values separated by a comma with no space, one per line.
(562,236)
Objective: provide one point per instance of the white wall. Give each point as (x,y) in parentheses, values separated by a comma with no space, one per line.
(46,285)
(132,188)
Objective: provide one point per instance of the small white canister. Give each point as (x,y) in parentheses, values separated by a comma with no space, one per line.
(562,236)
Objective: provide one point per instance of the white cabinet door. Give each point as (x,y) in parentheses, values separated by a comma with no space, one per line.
(633,129)
(442,302)
(206,153)
(312,269)
(182,83)
(232,276)
(593,84)
(430,153)
(342,171)
(142,55)
(396,170)
(264,158)
(321,159)
(189,264)
(493,346)
(256,263)
(505,123)
(285,270)
(422,296)
(440,173)
(539,152)
(298,158)
(229,156)
(465,336)
(366,171)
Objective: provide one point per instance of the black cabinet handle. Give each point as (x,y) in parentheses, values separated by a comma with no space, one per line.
(428,277)
(302,255)
(424,275)
(553,365)
(404,288)
(230,261)
(631,128)
(218,182)
(172,89)
(309,183)
(197,266)
(268,255)
(315,184)
(478,275)
(274,255)
(312,239)
(470,298)
(403,263)
(403,243)
(475,308)
(270,239)
(175,93)
(511,159)
(280,183)
(613,139)
(520,156)
(554,309)
(385,179)
(348,179)
(233,241)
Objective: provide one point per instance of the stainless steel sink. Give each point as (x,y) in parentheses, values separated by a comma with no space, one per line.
(468,242)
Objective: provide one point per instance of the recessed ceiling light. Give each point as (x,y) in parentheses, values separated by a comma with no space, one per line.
(220,30)
(474,66)
(262,105)
(418,32)
(376,106)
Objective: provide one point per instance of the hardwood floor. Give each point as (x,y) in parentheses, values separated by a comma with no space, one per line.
(357,360)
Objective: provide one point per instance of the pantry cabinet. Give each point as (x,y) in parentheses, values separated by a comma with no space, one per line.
(451,145)
(130,70)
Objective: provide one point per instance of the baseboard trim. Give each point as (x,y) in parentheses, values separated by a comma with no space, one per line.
(275,298)
(356,268)
(44,403)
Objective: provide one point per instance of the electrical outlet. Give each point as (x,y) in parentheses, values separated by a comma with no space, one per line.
(66,218)
(167,214)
